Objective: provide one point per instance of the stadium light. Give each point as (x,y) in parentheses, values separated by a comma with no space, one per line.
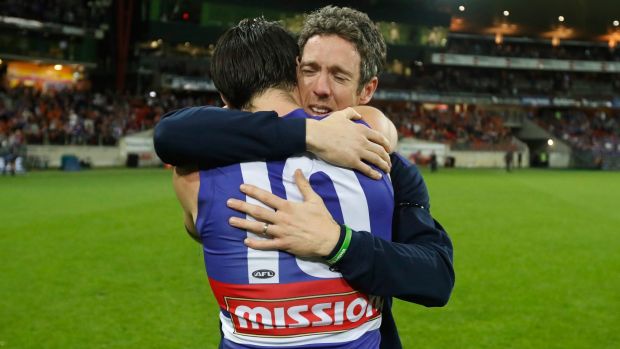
(462,8)
(616,23)
(58,67)
(506,13)
(561,18)
(550,142)
(153,94)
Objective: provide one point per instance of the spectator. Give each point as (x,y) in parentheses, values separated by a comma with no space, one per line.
(80,117)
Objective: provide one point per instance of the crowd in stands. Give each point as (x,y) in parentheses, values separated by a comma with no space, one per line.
(531,50)
(504,82)
(467,129)
(76,117)
(598,132)
(72,12)
(30,116)
(69,117)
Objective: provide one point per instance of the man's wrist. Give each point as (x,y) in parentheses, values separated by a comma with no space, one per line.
(341,246)
(312,131)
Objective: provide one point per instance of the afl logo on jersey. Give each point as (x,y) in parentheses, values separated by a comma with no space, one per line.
(263,274)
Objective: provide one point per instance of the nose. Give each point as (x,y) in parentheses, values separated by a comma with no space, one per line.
(321,86)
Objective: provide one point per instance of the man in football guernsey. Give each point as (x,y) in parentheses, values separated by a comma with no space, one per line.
(270,298)
(275,298)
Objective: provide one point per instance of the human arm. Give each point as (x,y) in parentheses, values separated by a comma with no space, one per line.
(186,184)
(354,145)
(415,266)
(209,137)
(380,123)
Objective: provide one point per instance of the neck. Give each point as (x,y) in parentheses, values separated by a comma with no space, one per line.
(278,100)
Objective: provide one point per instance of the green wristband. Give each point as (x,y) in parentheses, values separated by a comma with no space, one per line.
(343,248)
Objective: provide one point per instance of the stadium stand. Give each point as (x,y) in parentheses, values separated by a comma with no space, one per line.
(73,117)
(71,12)
(469,91)
(504,82)
(597,132)
(530,49)
(465,129)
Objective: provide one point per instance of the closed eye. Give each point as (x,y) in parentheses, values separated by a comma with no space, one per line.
(341,78)
(308,71)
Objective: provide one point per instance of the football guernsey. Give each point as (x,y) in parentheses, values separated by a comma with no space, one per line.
(272,298)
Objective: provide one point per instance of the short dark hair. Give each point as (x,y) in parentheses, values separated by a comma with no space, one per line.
(251,57)
(353,26)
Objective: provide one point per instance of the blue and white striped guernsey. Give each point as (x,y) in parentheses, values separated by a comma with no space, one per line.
(272,298)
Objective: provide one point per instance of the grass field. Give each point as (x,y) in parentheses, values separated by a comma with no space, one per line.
(99,259)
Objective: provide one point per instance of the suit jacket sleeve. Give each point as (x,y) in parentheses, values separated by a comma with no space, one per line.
(416,265)
(207,137)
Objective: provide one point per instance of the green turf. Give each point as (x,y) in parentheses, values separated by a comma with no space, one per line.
(99,259)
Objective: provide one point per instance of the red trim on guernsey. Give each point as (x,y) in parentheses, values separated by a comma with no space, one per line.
(296,309)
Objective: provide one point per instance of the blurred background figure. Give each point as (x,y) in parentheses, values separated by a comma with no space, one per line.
(13,153)
(508,159)
(433,162)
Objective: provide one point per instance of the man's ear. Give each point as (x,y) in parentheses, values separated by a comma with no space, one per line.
(226,104)
(297,63)
(368,90)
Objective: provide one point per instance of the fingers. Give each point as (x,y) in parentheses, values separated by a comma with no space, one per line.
(379,150)
(348,113)
(367,170)
(352,114)
(378,157)
(257,212)
(263,196)
(304,186)
(255,227)
(268,244)
(376,160)
(377,137)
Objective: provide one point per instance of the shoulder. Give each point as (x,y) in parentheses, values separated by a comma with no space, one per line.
(379,122)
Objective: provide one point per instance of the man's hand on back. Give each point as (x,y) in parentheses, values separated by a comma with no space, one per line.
(338,140)
(305,229)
